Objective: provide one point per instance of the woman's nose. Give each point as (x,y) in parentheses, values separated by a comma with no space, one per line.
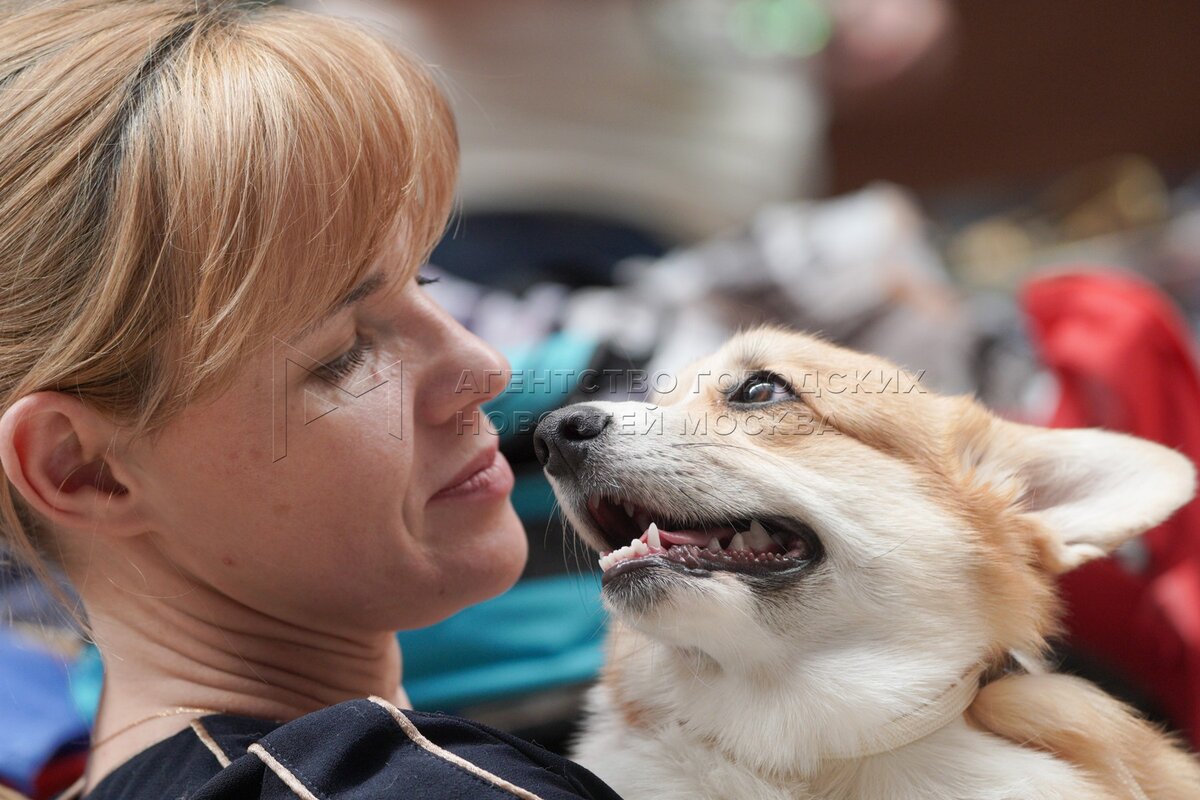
(491,364)
(468,372)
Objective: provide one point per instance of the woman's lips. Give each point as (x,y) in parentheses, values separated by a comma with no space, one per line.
(489,474)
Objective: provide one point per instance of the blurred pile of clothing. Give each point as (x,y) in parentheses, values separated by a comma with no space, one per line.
(858,269)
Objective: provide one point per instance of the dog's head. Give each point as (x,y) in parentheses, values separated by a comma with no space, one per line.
(788,496)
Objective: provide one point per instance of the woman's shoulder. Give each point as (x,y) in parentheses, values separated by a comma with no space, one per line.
(364,748)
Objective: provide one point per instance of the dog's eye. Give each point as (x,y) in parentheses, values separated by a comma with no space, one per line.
(762,387)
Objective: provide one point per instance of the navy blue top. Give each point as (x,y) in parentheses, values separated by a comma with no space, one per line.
(355,750)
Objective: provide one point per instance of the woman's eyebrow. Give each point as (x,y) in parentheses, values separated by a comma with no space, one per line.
(365,288)
(368,286)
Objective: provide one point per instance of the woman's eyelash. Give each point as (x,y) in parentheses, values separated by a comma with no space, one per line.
(340,367)
(346,363)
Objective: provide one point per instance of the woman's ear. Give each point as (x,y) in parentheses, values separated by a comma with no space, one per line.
(62,456)
(1087,490)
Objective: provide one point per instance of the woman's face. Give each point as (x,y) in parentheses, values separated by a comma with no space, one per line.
(328,498)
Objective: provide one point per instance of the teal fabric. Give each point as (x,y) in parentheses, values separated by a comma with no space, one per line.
(542,377)
(543,632)
(533,498)
(85,677)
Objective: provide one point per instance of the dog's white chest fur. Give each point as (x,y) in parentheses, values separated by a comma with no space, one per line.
(670,762)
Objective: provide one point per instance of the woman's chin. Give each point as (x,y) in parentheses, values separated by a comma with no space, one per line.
(508,548)
(492,559)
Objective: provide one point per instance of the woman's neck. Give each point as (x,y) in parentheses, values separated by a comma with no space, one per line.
(182,645)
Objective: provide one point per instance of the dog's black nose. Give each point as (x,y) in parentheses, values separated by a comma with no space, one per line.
(563,438)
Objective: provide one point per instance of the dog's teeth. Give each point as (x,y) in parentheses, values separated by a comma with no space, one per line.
(714,545)
(628,509)
(737,543)
(652,537)
(640,548)
(757,538)
(605,562)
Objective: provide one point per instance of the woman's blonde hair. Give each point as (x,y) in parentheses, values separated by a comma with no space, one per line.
(182,180)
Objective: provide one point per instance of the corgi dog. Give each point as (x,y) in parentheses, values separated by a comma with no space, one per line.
(827,582)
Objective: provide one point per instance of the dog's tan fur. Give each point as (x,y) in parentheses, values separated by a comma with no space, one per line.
(1025,512)
(1072,719)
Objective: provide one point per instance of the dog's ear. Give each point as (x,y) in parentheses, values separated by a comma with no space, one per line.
(1087,490)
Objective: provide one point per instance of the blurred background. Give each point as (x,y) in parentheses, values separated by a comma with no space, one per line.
(1004,197)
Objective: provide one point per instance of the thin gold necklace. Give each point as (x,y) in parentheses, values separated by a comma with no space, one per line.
(173,712)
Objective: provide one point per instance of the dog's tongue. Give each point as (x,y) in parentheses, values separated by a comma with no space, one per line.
(698,538)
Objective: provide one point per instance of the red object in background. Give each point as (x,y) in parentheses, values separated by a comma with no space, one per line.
(1124,361)
(60,774)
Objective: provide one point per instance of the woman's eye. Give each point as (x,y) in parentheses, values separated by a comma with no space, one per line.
(762,387)
(424,280)
(345,364)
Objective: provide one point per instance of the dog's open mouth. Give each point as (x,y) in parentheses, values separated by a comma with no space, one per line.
(639,537)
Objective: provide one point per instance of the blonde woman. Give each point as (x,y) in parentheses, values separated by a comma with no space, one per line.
(230,414)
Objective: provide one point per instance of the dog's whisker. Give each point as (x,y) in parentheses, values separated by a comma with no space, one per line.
(867,564)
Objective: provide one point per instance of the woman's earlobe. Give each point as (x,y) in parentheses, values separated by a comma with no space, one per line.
(57,452)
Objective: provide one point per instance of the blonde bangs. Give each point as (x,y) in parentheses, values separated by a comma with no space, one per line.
(287,165)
